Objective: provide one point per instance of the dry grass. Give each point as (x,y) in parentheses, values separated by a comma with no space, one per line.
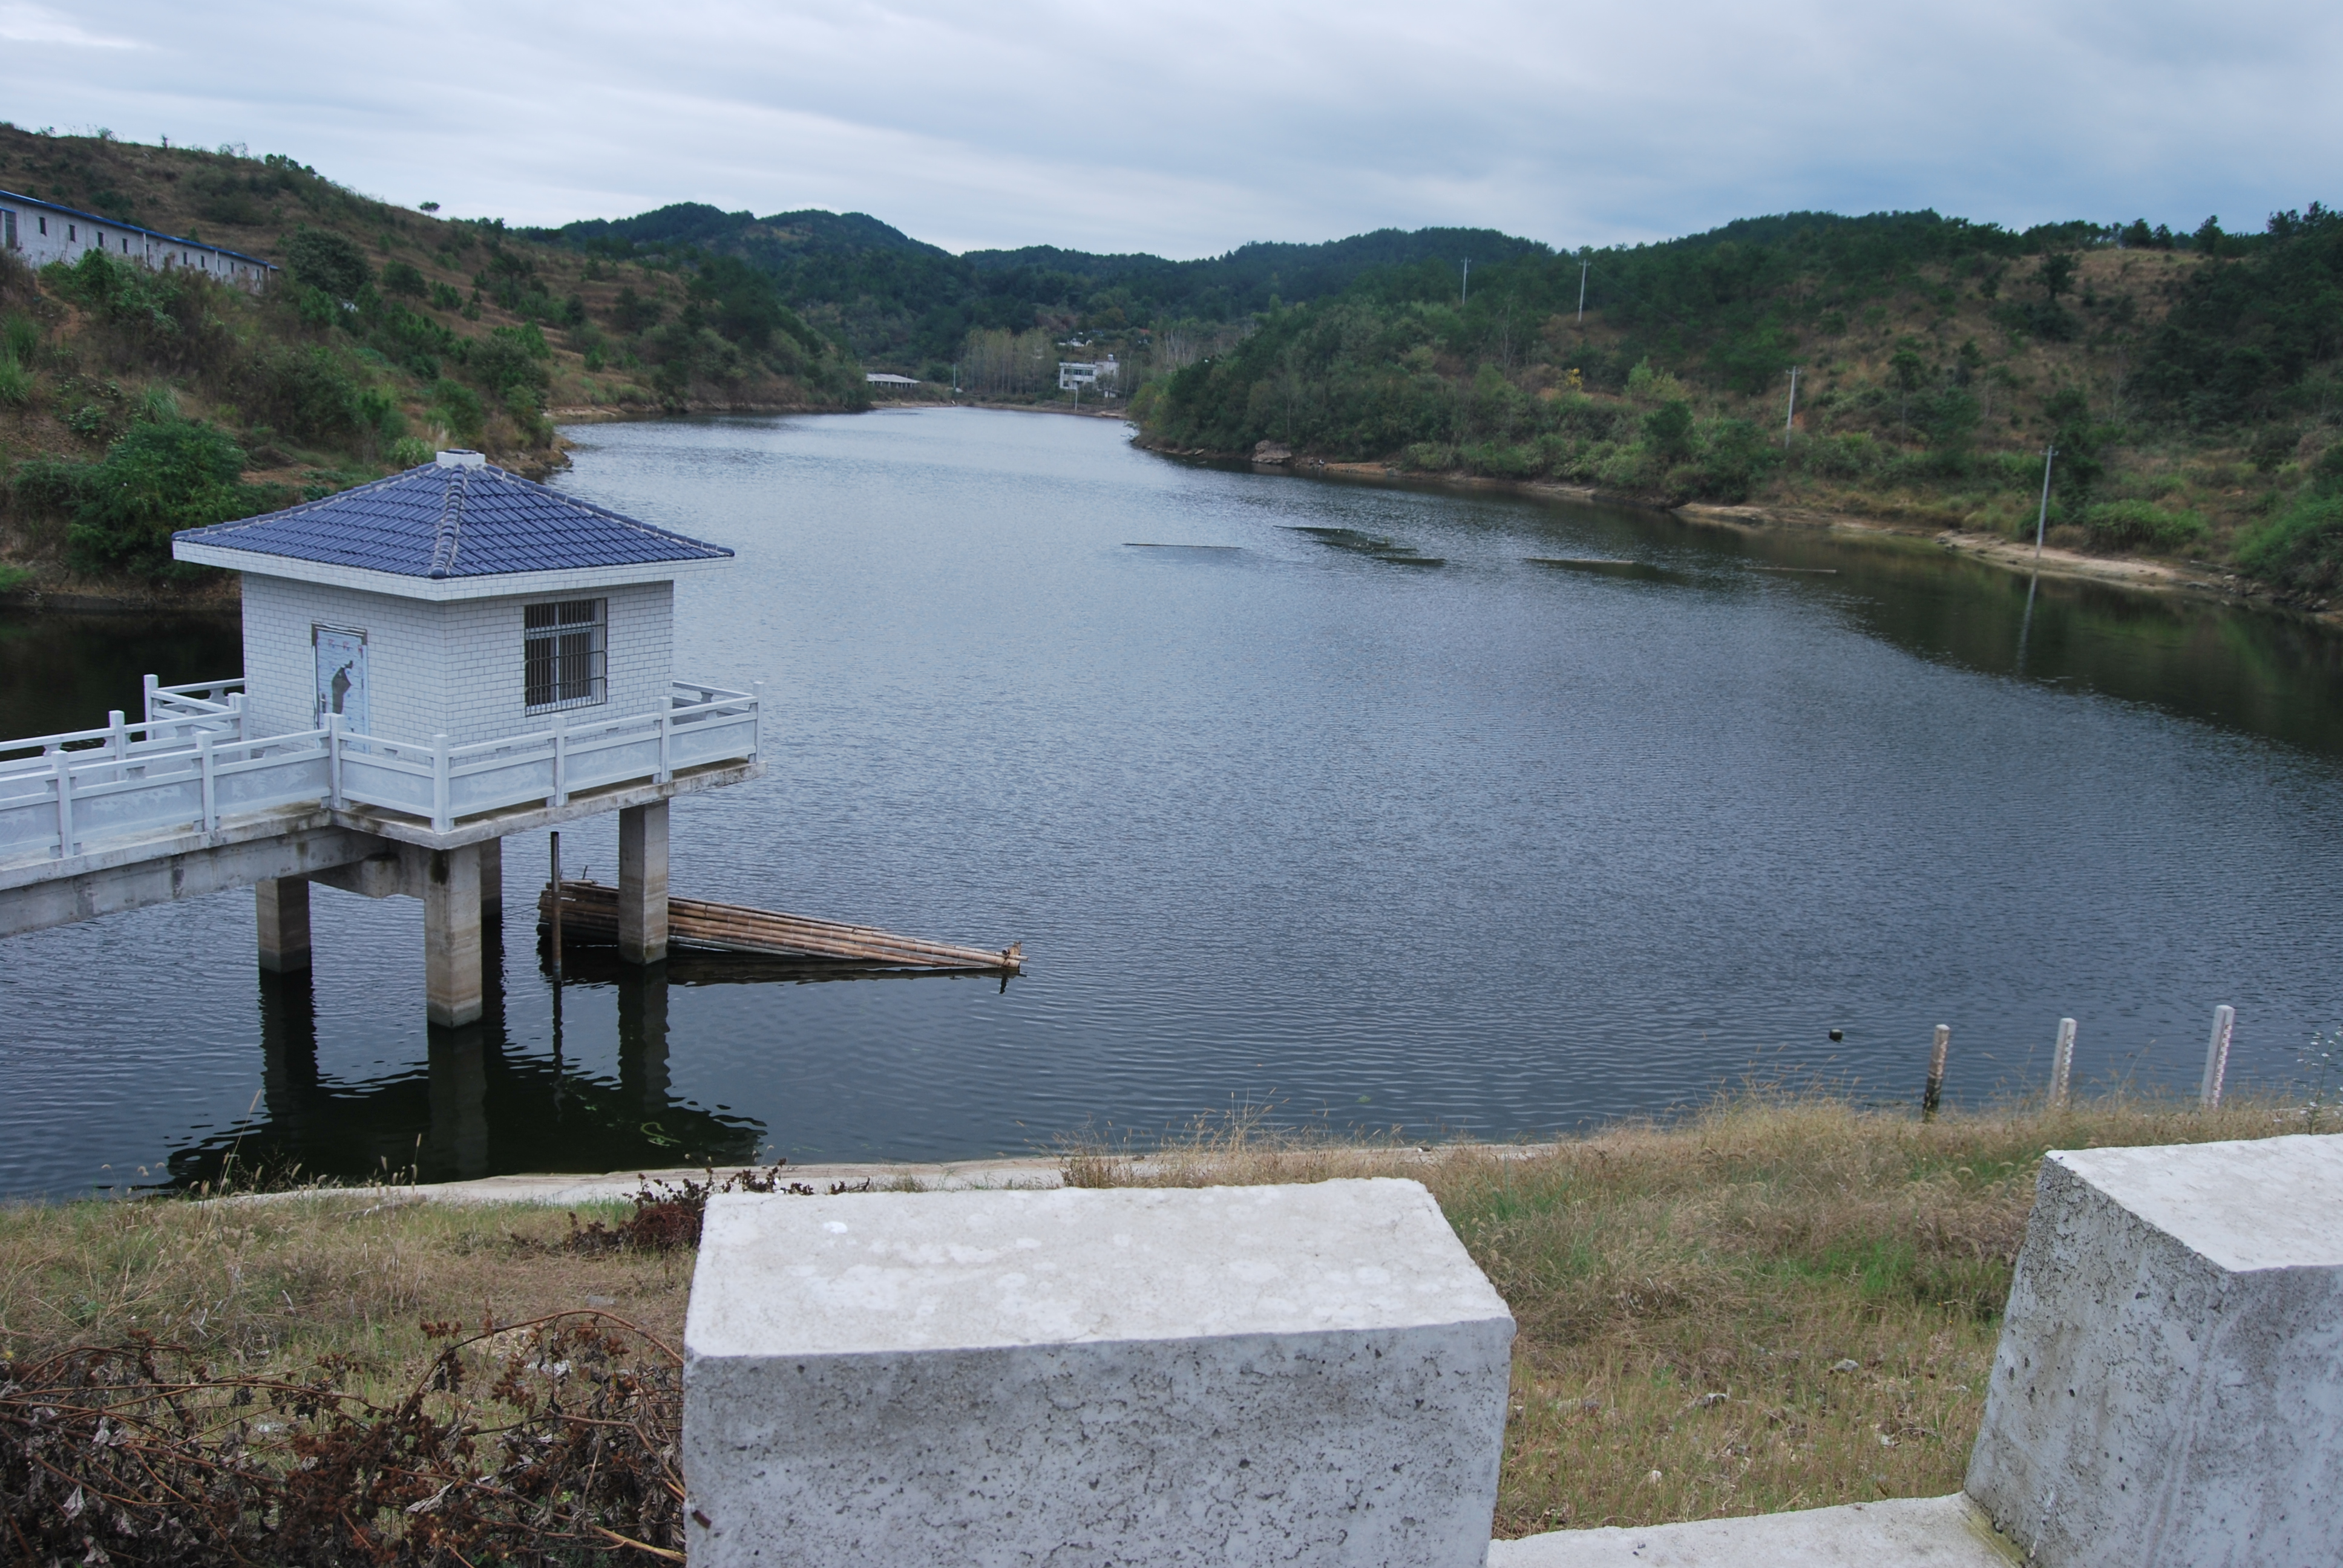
(273,1285)
(1773,1304)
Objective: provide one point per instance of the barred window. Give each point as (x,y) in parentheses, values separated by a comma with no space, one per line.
(565,651)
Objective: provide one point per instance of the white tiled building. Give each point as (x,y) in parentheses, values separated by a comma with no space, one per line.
(37,232)
(453,599)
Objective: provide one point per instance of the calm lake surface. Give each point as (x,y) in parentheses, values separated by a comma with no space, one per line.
(1488,847)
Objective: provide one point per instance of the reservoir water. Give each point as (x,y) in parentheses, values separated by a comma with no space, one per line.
(1286,819)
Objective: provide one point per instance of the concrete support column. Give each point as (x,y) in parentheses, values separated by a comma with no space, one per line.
(451,935)
(492,880)
(282,904)
(642,883)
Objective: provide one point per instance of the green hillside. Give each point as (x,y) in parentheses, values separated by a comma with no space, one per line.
(911,306)
(2189,382)
(133,402)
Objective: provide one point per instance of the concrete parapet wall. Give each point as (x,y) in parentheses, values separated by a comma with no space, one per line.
(2169,1385)
(1304,1375)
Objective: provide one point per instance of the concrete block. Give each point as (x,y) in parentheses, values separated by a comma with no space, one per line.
(1302,1376)
(1904,1533)
(2168,1390)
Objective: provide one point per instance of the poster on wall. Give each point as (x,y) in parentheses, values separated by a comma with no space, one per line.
(342,676)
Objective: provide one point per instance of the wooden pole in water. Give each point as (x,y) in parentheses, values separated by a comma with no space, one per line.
(2062,1063)
(557,907)
(2217,1056)
(1934,1094)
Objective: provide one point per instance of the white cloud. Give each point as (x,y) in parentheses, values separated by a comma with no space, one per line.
(24,24)
(1187,129)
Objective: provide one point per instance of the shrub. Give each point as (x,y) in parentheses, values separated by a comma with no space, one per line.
(511,359)
(410,452)
(15,381)
(2141,524)
(305,392)
(21,335)
(48,487)
(402,279)
(459,407)
(162,475)
(1668,427)
(2301,548)
(328,262)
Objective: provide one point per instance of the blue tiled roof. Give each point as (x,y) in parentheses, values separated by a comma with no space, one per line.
(437,521)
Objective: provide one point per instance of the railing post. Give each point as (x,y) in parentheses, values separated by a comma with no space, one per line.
(236,708)
(333,757)
(151,684)
(756,719)
(440,819)
(666,755)
(64,766)
(560,759)
(117,744)
(210,778)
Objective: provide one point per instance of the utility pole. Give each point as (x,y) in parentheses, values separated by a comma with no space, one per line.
(2043,522)
(1582,292)
(1465,287)
(1791,417)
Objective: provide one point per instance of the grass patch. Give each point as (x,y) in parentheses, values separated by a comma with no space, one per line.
(1772,1304)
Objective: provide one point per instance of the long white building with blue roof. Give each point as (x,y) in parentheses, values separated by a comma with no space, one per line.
(37,232)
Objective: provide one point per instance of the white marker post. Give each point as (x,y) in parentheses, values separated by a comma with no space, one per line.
(1934,1094)
(2062,1064)
(2217,1056)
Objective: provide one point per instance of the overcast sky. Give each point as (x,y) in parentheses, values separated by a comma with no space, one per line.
(1188,128)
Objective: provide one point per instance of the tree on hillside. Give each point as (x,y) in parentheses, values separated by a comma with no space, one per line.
(328,262)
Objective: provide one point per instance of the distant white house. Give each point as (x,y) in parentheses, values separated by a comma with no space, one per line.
(887,378)
(1074,374)
(38,232)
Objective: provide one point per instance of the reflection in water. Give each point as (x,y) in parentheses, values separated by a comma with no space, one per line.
(478,1106)
(2026,626)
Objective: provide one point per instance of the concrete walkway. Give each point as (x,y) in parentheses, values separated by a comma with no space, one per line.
(1924,1533)
(618,1186)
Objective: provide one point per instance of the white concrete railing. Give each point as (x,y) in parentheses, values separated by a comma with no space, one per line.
(190,765)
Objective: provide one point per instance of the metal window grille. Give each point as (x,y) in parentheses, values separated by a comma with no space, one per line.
(565,647)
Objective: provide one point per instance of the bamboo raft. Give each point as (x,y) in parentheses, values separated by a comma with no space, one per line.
(589,910)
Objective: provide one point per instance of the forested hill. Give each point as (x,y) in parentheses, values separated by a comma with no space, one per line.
(135,402)
(2191,382)
(901,303)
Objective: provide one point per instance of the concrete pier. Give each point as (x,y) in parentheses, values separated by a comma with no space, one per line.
(1308,1375)
(492,880)
(451,935)
(642,883)
(281,904)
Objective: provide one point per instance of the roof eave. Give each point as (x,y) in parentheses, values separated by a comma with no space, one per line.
(494,585)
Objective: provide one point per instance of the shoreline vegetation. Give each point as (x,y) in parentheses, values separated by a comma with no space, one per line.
(2189,380)
(1776,1302)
